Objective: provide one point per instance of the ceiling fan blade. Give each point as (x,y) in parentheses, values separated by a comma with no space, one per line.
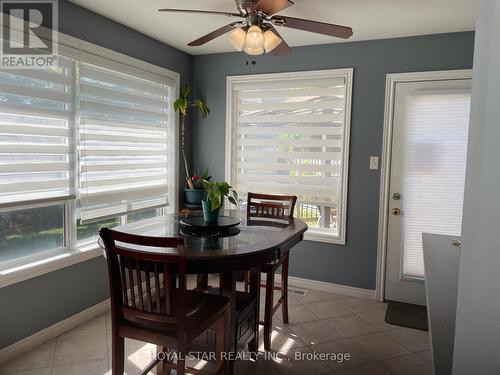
(338,31)
(227,14)
(214,34)
(282,48)
(272,6)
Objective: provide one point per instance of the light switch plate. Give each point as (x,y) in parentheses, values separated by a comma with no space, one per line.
(374,162)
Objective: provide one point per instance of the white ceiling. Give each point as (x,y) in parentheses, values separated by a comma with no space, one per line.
(370,19)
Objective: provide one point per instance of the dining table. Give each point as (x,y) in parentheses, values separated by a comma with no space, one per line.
(226,252)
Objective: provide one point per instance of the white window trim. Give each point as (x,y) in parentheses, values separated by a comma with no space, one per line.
(348,73)
(39,264)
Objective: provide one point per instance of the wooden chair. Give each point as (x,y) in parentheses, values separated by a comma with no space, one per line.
(150,302)
(265,208)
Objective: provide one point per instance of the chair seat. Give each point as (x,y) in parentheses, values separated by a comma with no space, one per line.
(202,310)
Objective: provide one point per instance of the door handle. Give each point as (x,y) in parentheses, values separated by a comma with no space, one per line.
(396,211)
(456,242)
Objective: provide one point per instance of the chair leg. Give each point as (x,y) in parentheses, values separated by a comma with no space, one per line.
(284,288)
(161,369)
(118,353)
(181,363)
(268,310)
(220,340)
(246,281)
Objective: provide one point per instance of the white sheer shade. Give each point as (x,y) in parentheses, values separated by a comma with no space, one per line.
(289,137)
(124,142)
(36,122)
(434,170)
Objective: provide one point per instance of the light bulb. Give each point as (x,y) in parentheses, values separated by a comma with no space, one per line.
(254,38)
(271,41)
(237,38)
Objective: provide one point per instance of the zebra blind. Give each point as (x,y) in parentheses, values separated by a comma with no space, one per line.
(36,123)
(289,137)
(124,142)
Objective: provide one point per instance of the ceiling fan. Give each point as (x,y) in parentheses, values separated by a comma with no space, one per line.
(256,34)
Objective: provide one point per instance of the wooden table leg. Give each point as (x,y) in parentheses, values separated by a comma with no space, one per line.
(228,289)
(202,281)
(253,345)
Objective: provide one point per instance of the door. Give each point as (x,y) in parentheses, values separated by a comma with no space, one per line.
(427,176)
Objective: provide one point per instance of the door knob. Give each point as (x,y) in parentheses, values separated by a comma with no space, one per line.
(396,211)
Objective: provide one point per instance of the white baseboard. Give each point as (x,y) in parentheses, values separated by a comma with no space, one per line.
(328,287)
(53,331)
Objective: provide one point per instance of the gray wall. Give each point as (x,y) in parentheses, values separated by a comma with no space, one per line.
(477,336)
(32,305)
(355,263)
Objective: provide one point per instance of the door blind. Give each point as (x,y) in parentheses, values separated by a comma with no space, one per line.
(435,156)
(289,137)
(36,117)
(124,149)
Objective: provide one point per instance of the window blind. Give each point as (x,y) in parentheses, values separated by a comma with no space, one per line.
(435,160)
(36,125)
(289,138)
(124,127)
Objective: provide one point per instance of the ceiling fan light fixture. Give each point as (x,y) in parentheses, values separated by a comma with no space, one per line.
(271,41)
(254,39)
(237,38)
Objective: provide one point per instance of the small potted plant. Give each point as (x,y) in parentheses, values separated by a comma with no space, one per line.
(197,194)
(216,192)
(182,106)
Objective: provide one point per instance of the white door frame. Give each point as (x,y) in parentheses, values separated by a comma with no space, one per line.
(385,171)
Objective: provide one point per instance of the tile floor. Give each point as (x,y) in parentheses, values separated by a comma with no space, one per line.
(319,323)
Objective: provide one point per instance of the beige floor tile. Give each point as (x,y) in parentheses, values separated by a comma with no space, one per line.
(99,367)
(93,328)
(38,371)
(262,366)
(351,325)
(413,339)
(407,365)
(293,363)
(300,314)
(38,358)
(314,296)
(371,369)
(282,340)
(426,355)
(313,333)
(329,309)
(348,354)
(360,305)
(377,319)
(80,346)
(380,346)
(137,361)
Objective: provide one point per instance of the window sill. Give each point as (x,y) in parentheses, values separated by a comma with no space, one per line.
(27,271)
(323,237)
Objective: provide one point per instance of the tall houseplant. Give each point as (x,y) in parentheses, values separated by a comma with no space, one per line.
(182,106)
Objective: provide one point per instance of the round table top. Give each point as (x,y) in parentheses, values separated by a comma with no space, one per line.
(245,239)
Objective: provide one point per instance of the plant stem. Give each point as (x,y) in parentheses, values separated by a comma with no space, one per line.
(183,137)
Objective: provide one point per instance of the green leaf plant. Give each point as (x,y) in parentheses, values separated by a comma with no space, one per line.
(217,191)
(182,105)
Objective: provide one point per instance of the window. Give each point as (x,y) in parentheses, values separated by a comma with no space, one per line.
(289,134)
(87,144)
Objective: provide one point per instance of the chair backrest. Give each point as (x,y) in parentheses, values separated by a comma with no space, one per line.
(143,284)
(271,207)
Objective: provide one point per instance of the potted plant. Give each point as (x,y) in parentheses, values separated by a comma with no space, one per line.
(216,192)
(182,106)
(196,195)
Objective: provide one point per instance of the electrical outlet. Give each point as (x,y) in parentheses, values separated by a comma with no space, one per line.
(374,162)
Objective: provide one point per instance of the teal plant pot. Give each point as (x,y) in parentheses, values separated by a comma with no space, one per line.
(209,215)
(194,196)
